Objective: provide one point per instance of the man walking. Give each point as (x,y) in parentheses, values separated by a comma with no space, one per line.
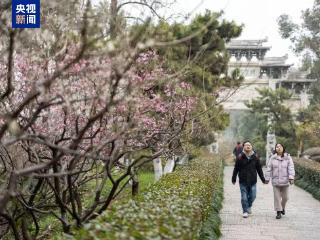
(237,150)
(247,165)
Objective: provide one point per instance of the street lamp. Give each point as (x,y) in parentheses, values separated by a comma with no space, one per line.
(271,138)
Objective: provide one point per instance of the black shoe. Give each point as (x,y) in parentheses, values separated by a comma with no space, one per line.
(278,215)
(283,212)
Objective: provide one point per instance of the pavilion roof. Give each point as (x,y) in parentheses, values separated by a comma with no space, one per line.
(276,62)
(247,44)
(296,75)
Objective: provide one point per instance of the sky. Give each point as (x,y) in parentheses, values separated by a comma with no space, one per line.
(258,16)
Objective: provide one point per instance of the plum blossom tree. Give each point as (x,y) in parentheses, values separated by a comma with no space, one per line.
(75,101)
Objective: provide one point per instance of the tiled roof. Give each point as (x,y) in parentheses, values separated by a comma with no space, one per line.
(247,44)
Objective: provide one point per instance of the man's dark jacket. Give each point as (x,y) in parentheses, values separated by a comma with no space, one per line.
(247,167)
(237,150)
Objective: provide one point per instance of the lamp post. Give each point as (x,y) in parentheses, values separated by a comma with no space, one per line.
(271,142)
(271,138)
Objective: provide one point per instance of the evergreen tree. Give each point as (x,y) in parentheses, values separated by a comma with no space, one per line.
(270,105)
(306,41)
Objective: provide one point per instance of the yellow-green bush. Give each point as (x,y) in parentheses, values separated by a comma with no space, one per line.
(308,175)
(176,207)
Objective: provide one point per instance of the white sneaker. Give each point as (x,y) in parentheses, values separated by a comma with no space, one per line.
(249,211)
(245,215)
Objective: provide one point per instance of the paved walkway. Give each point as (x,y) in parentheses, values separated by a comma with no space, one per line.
(301,222)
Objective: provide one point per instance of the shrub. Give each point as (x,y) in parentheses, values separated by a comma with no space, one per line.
(173,208)
(308,176)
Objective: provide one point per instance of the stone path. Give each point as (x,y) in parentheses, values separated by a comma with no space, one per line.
(301,222)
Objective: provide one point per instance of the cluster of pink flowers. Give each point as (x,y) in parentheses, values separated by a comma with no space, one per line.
(150,101)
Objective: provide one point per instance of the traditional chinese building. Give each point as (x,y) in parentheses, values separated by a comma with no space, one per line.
(249,56)
(260,71)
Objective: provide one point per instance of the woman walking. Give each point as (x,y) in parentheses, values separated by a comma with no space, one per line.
(280,169)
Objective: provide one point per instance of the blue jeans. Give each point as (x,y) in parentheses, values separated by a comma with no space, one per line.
(248,195)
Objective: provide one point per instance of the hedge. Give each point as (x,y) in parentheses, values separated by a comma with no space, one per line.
(182,205)
(308,176)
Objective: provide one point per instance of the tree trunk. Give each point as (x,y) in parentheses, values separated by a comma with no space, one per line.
(300,150)
(157,166)
(24,229)
(168,168)
(134,182)
(135,186)
(113,18)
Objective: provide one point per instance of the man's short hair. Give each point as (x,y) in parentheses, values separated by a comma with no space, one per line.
(238,143)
